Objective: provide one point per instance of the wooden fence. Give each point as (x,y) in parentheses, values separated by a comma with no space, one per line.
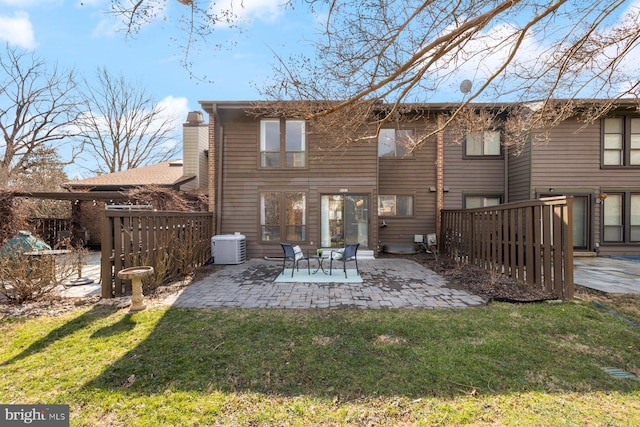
(169,241)
(52,230)
(531,242)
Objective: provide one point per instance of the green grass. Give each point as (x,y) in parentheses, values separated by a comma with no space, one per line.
(537,364)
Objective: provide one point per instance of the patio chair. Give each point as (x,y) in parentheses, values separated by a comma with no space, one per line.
(295,255)
(348,254)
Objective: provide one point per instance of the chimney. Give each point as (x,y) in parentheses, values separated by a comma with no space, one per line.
(194,150)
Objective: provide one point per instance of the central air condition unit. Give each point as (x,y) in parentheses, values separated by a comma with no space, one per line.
(229,249)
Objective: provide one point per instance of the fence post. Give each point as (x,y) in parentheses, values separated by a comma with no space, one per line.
(106,242)
(568,249)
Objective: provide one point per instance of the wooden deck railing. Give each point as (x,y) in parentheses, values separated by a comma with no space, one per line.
(166,240)
(531,242)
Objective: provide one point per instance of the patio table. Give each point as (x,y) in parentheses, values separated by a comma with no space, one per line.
(320,259)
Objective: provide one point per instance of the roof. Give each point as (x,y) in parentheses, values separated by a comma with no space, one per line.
(620,103)
(166,174)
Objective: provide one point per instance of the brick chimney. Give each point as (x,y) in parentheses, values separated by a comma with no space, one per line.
(195,144)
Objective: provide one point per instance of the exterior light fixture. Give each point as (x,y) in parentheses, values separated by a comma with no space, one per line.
(601,198)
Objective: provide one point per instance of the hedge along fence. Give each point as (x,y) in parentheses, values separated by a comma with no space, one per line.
(173,243)
(531,242)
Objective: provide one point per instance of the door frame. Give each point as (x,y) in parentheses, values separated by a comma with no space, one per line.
(366,194)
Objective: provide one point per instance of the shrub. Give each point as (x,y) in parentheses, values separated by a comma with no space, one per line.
(24,278)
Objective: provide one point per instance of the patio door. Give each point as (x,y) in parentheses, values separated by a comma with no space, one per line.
(581,222)
(344,220)
(580,218)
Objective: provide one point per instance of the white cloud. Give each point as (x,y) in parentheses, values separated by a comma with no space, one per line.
(244,11)
(175,109)
(17,30)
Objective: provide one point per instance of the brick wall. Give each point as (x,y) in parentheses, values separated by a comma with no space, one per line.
(91,213)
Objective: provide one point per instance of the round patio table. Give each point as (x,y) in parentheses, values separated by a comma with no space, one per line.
(320,259)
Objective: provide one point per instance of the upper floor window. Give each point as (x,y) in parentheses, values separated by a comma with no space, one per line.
(395,143)
(393,205)
(479,144)
(471,202)
(282,143)
(621,141)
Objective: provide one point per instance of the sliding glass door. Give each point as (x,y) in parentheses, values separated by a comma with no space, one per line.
(344,220)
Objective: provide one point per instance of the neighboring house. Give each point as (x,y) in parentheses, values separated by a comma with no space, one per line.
(189,174)
(597,164)
(273,180)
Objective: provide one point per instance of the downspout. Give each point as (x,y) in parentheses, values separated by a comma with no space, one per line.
(506,175)
(219,178)
(439,172)
(213,175)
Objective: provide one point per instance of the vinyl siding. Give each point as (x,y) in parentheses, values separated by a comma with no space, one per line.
(519,175)
(352,168)
(469,176)
(570,163)
(410,176)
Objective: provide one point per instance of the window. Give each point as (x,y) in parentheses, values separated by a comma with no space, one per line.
(621,141)
(395,143)
(283,216)
(282,143)
(471,202)
(485,143)
(621,218)
(395,205)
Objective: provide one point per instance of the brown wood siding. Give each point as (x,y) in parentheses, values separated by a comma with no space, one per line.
(519,175)
(571,163)
(469,176)
(352,168)
(410,176)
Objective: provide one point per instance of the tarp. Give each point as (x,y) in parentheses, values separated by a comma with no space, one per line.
(23,242)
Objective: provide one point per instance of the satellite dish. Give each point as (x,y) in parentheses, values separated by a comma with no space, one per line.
(465,86)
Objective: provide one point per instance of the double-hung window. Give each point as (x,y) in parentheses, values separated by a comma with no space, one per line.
(283,216)
(395,205)
(395,143)
(621,141)
(478,201)
(483,144)
(621,218)
(282,143)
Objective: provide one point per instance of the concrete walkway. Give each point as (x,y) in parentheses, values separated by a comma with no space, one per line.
(610,275)
(387,283)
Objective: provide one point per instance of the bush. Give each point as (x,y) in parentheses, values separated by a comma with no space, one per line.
(24,278)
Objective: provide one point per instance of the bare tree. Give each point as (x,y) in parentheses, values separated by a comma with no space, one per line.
(122,127)
(398,52)
(36,107)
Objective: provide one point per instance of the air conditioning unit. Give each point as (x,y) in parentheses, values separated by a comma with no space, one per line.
(229,249)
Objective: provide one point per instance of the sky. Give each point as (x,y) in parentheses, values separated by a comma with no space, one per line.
(79,34)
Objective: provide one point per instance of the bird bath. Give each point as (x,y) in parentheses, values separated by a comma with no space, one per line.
(136,274)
